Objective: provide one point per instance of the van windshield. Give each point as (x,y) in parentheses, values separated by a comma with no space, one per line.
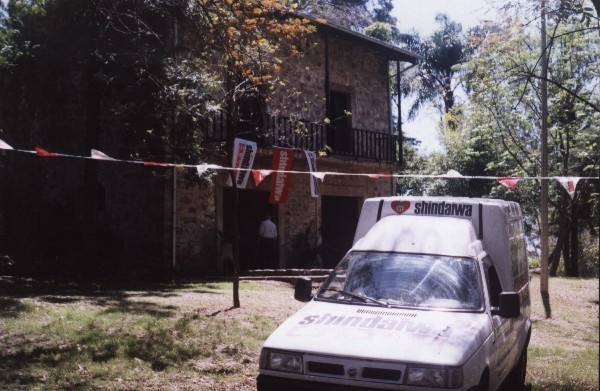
(405,280)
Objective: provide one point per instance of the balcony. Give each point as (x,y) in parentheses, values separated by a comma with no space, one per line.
(305,135)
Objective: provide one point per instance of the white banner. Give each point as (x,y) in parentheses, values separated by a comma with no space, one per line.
(242,160)
(311,159)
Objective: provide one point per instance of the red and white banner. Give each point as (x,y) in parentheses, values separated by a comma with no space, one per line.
(569,183)
(282,161)
(311,159)
(242,160)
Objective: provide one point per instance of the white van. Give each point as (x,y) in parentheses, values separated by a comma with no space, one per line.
(433,295)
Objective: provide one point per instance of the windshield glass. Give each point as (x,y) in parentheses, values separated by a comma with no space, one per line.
(405,280)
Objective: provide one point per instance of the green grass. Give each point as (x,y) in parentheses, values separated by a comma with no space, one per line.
(188,337)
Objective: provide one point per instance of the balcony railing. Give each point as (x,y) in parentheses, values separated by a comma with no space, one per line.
(284,132)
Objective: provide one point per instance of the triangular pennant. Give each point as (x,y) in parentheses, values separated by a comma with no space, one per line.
(510,182)
(4,145)
(43,152)
(100,155)
(319,175)
(202,168)
(452,174)
(569,183)
(260,175)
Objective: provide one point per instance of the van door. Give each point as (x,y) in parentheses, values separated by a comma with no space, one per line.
(504,338)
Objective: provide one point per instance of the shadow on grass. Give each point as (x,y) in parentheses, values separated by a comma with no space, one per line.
(14,289)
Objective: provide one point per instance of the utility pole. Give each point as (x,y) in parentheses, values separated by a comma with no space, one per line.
(174,140)
(544,170)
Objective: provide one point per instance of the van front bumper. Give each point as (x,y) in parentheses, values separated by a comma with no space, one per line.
(273,383)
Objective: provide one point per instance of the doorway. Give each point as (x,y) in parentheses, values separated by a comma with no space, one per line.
(340,137)
(254,205)
(339,216)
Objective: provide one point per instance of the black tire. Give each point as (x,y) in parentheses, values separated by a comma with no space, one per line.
(516,378)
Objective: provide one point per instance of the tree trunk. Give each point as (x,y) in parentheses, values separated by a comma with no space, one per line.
(573,269)
(555,255)
(230,128)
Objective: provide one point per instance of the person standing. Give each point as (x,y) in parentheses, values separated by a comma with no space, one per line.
(267,240)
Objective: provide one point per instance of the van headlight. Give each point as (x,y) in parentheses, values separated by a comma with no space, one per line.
(434,377)
(281,361)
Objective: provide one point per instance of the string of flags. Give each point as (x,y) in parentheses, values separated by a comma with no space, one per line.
(243,161)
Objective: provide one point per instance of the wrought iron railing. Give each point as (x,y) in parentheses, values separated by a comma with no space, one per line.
(301,134)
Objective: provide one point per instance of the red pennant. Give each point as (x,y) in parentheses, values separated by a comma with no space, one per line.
(42,152)
(510,182)
(260,175)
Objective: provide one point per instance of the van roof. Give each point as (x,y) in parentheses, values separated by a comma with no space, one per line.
(422,235)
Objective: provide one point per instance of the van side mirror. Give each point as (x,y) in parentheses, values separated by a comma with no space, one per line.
(510,305)
(303,289)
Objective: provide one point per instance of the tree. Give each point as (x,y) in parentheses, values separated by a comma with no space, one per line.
(435,77)
(503,77)
(151,69)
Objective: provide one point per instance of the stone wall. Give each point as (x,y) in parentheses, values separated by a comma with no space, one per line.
(353,69)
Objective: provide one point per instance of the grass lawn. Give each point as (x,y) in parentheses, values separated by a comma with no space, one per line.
(187,337)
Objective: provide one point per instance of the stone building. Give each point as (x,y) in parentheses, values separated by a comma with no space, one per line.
(345,72)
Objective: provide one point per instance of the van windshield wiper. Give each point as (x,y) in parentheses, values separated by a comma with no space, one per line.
(363,298)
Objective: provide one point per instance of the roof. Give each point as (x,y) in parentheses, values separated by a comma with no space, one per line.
(389,51)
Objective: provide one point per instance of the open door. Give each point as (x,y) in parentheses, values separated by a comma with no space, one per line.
(254,204)
(339,216)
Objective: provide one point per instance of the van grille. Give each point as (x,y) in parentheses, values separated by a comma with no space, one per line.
(381,374)
(325,368)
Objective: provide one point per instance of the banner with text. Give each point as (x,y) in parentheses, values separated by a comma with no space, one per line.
(282,161)
(244,152)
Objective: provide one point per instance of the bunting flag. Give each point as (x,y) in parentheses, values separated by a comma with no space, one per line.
(202,168)
(569,183)
(452,174)
(510,182)
(311,159)
(42,152)
(242,160)
(4,145)
(319,175)
(282,162)
(95,154)
(260,175)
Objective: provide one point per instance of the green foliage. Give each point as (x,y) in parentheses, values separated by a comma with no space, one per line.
(381,31)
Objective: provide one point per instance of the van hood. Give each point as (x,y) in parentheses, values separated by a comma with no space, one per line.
(416,336)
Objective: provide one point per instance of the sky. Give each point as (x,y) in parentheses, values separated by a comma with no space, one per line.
(420,16)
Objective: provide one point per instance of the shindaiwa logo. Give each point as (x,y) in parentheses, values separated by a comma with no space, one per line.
(443,209)
(406,326)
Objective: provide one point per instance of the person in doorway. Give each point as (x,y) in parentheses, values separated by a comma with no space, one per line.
(267,240)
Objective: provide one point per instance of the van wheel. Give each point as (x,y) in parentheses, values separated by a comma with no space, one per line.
(483,383)
(516,378)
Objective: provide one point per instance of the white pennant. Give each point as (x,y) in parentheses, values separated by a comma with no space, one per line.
(202,168)
(4,145)
(319,175)
(452,174)
(569,183)
(100,155)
